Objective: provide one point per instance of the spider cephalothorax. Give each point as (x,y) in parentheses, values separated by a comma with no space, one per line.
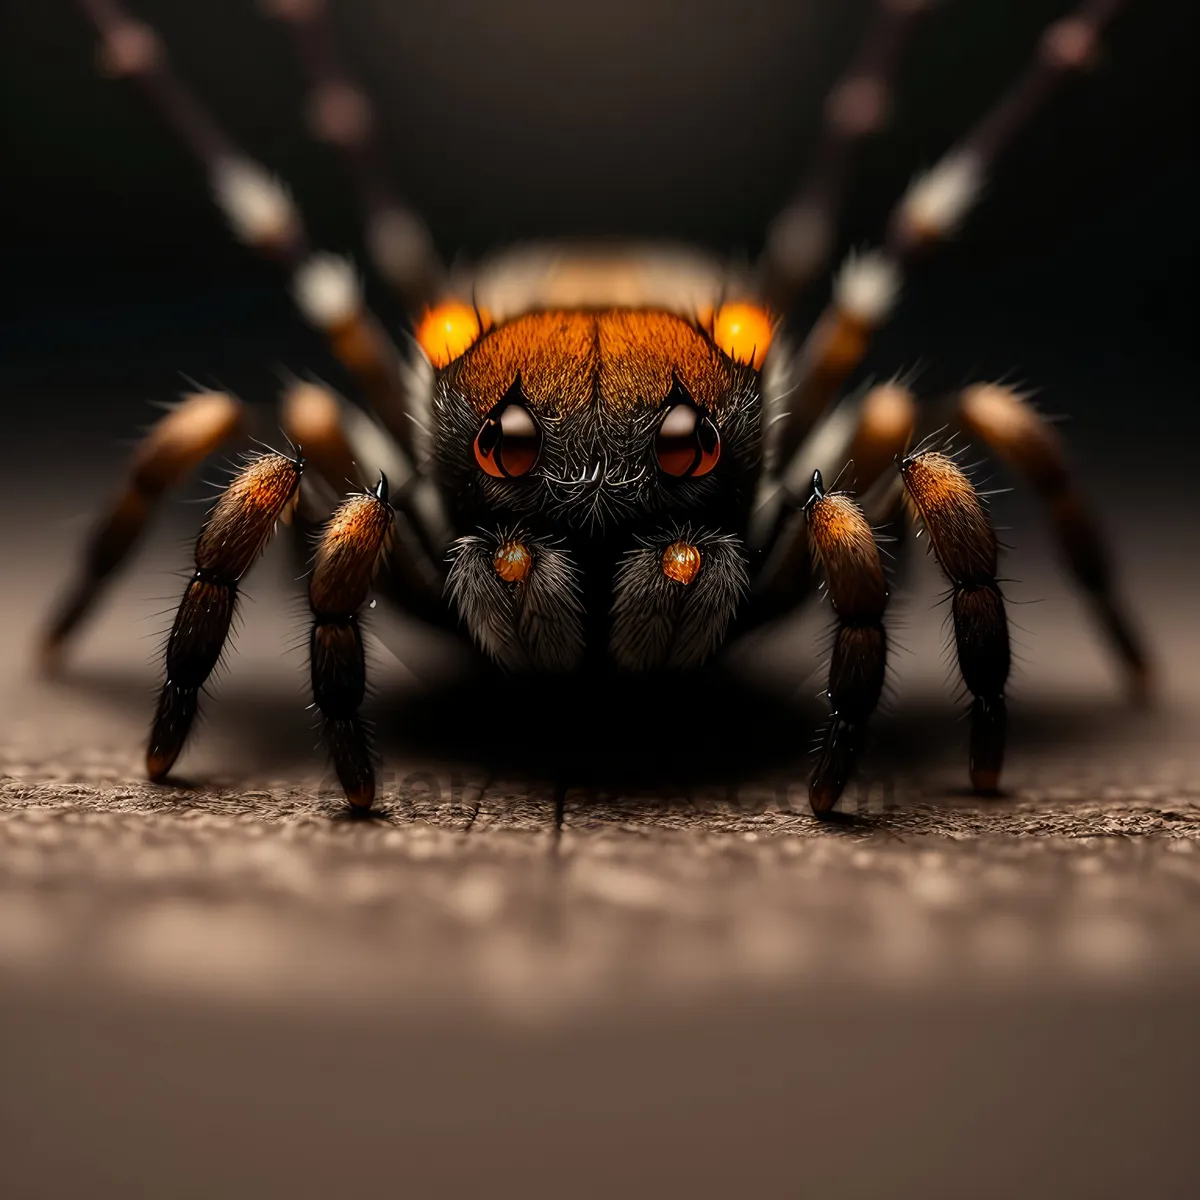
(604,457)
(596,419)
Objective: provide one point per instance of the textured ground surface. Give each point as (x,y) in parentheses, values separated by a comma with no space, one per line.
(227,989)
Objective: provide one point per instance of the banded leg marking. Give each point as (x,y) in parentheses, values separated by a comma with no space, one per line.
(352,546)
(845,547)
(175,446)
(965,546)
(234,535)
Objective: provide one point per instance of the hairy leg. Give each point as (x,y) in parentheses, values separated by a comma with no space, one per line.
(801,238)
(340,113)
(843,544)
(176,445)
(859,441)
(342,445)
(233,536)
(932,208)
(965,546)
(261,213)
(1002,420)
(352,546)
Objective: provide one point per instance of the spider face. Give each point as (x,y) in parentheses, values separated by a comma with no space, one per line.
(597,418)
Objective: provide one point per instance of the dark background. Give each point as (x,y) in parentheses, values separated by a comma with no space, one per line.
(649,118)
(223,984)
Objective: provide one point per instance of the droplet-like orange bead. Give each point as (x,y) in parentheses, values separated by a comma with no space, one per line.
(681,562)
(448,330)
(743,331)
(512,561)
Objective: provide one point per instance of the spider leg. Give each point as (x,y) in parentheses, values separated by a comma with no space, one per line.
(341,115)
(860,437)
(674,598)
(352,547)
(234,534)
(867,285)
(1014,430)
(520,597)
(176,444)
(965,546)
(261,213)
(801,236)
(338,445)
(844,546)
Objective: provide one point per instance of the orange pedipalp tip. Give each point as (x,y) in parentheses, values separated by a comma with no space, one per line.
(743,331)
(512,561)
(450,329)
(681,562)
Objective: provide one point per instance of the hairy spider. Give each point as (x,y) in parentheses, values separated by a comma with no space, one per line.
(602,458)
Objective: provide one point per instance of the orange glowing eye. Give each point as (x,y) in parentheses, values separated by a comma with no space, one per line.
(743,331)
(448,330)
(507,444)
(687,443)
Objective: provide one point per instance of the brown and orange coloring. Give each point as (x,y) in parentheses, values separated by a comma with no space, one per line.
(741,330)
(627,359)
(842,541)
(681,562)
(512,561)
(244,517)
(349,553)
(449,330)
(954,516)
(937,484)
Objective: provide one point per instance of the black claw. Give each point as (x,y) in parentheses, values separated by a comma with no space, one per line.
(381,488)
(818,490)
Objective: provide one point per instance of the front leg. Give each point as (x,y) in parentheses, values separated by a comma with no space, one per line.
(674,597)
(520,597)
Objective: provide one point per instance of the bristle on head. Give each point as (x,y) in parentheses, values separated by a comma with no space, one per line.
(256,205)
(937,201)
(867,287)
(327,290)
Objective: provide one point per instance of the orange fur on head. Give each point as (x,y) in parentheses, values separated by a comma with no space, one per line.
(625,359)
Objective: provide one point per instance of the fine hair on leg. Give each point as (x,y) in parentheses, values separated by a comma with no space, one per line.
(176,444)
(353,543)
(845,548)
(233,536)
(964,544)
(1001,419)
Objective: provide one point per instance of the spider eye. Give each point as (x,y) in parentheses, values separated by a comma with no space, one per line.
(508,441)
(449,330)
(743,331)
(687,443)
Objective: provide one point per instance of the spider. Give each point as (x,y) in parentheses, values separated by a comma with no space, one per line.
(602,458)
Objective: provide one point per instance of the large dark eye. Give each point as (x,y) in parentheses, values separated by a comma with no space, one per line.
(507,443)
(687,442)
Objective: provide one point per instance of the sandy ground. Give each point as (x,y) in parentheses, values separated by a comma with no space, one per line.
(226,989)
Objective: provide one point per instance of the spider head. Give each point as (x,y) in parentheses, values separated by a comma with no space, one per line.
(598,417)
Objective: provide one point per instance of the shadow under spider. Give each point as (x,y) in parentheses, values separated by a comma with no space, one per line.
(642,738)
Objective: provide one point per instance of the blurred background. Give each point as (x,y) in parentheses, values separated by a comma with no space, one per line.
(653,119)
(226,991)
